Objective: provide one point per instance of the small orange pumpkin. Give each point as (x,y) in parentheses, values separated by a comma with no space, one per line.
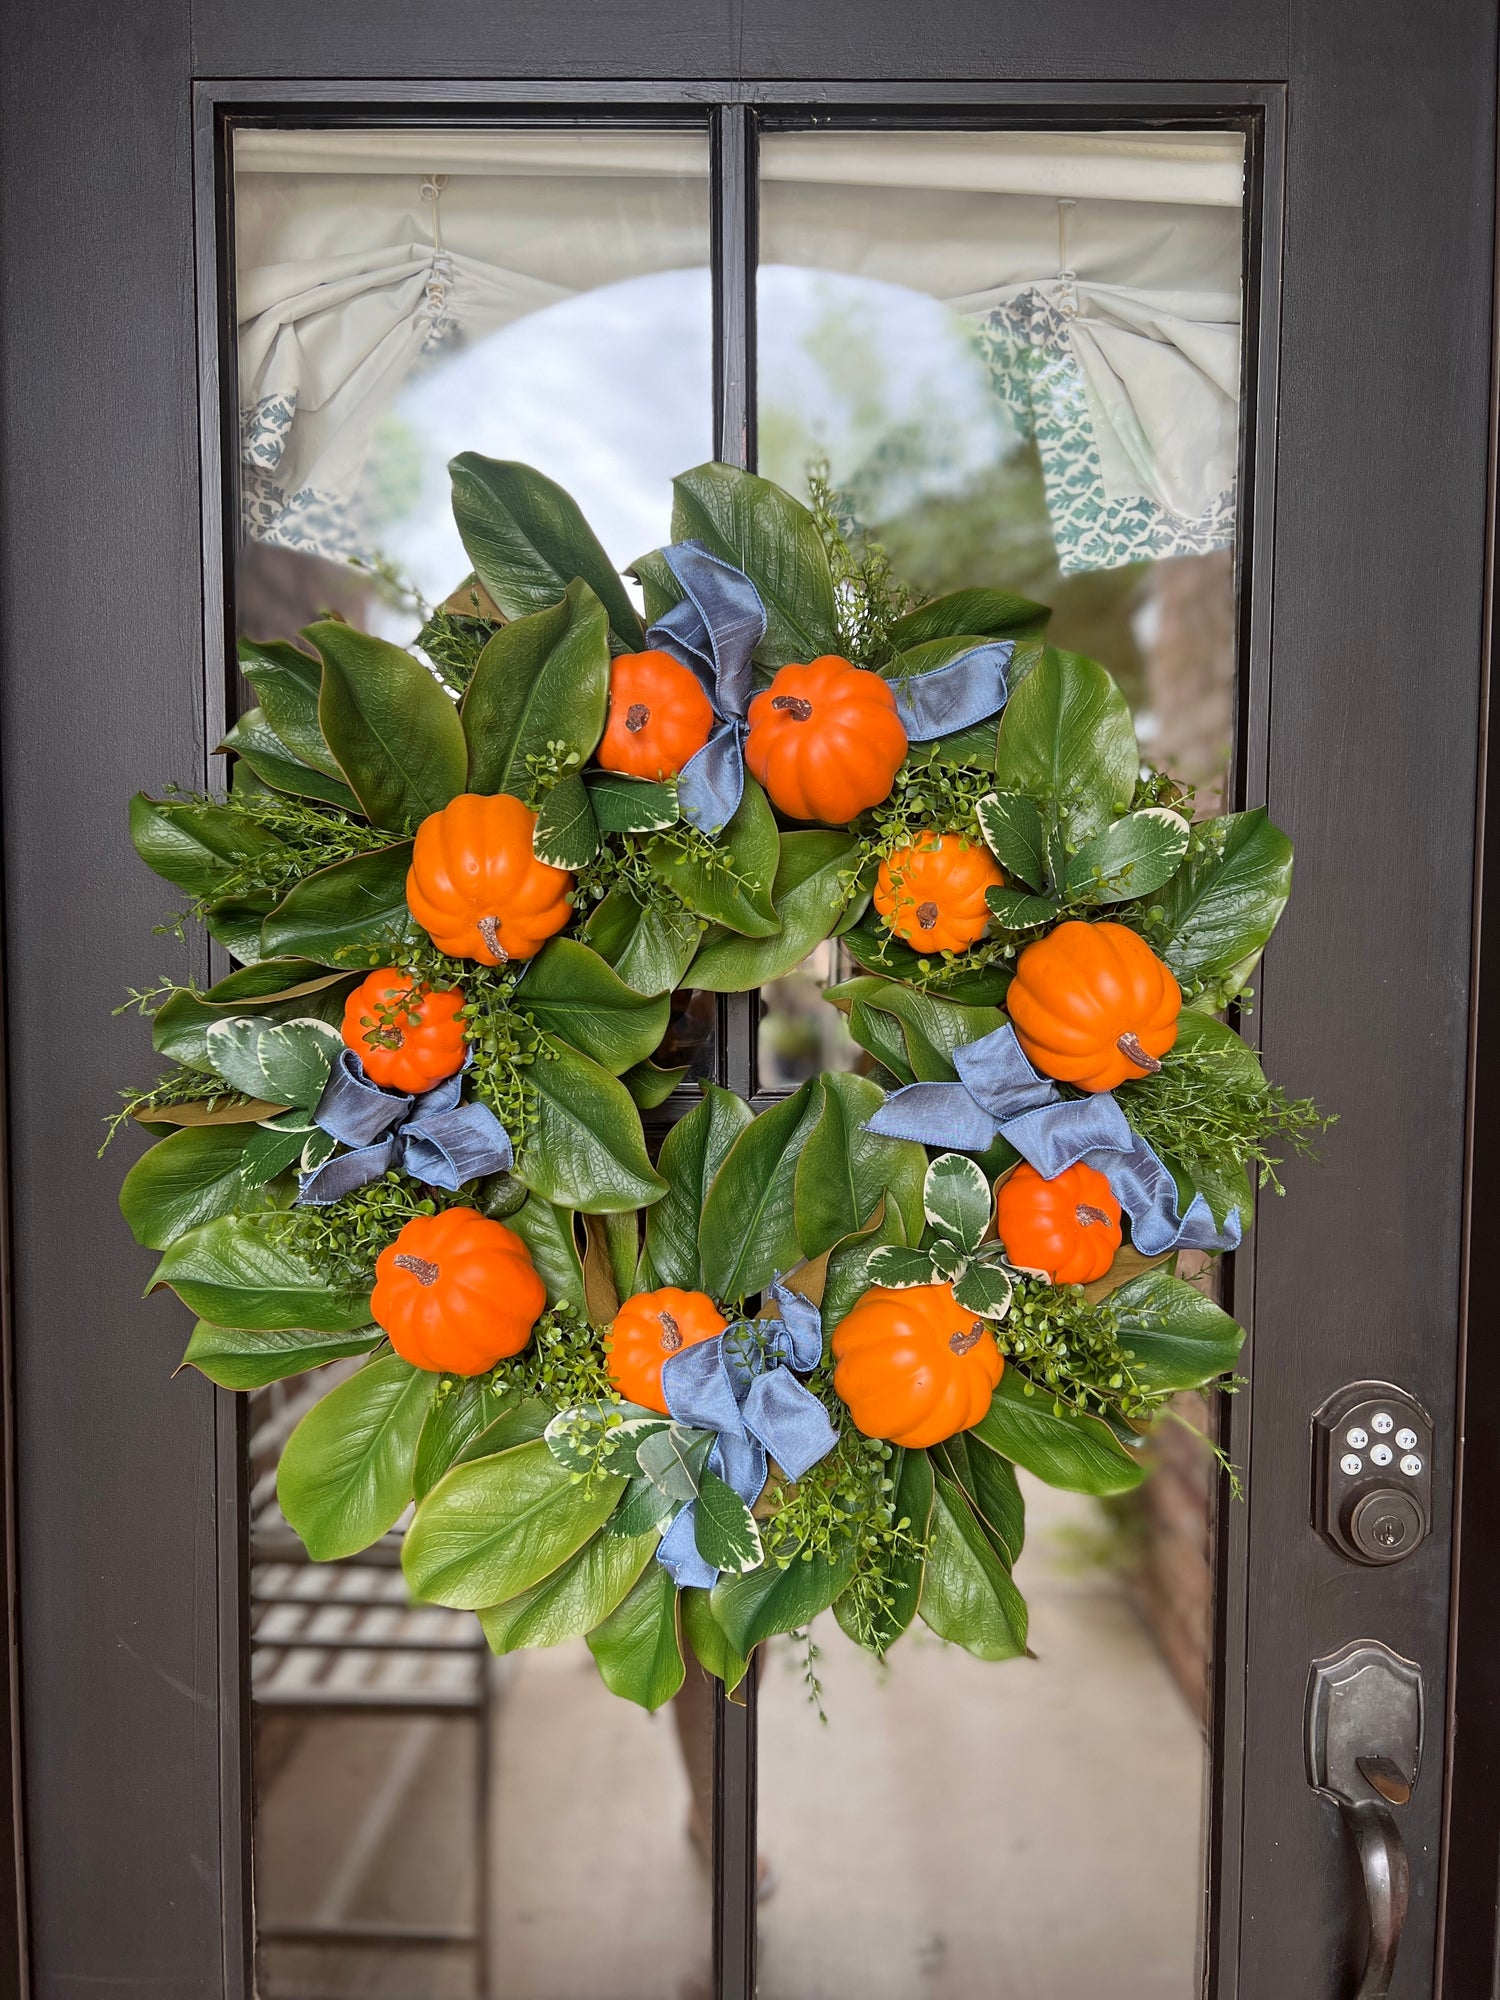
(659,716)
(825,740)
(1067,1228)
(1092,1004)
(914,1366)
(932,893)
(475,884)
(408,1037)
(648,1330)
(456,1292)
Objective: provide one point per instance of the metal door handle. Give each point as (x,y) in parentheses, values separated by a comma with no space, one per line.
(1364,1742)
(1382,1860)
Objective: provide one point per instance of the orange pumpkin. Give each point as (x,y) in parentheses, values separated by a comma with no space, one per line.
(647,1331)
(932,893)
(914,1366)
(659,716)
(1067,1228)
(408,1037)
(825,740)
(1092,1004)
(456,1292)
(475,884)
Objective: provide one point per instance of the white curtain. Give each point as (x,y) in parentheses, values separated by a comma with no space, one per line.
(1100,272)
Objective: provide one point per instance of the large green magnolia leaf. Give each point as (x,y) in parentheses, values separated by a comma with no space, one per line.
(775,541)
(931,1027)
(195,847)
(1223,903)
(573,1599)
(811,887)
(871,945)
(843,1172)
(650,946)
(1179,1339)
(395,733)
(1131,857)
(346,1471)
(748,1231)
(242,1358)
(708,1639)
(901,1570)
(570,991)
(185,1180)
(1072,1450)
(289,683)
(276,989)
(691,1154)
(353,913)
(769,1600)
(731,884)
(493,1527)
(992,1489)
(586,1149)
(1066,739)
(967,1595)
(637,1649)
(540,682)
(460,1414)
(989,614)
(235,1271)
(528,540)
(547,1232)
(253,738)
(847,1277)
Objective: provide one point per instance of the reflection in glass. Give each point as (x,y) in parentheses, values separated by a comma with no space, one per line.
(432,1822)
(1018,356)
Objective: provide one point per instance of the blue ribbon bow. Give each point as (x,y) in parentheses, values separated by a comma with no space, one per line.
(433,1137)
(714,631)
(740,1385)
(998,1091)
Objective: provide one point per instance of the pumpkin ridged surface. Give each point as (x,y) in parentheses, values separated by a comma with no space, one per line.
(650,1328)
(914,1366)
(825,740)
(456,1292)
(931,894)
(408,1037)
(659,716)
(1093,1005)
(1067,1228)
(476,883)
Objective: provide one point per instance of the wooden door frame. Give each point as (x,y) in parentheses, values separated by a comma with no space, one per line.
(175,1700)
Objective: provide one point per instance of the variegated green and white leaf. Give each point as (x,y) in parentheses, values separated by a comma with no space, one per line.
(673,1459)
(601,1436)
(724,1528)
(284,1062)
(1014,833)
(956,1200)
(984,1290)
(947,1259)
(644,1509)
(1014,910)
(898,1268)
(1130,857)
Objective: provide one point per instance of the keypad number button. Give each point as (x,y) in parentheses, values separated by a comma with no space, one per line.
(1411,1465)
(1407,1439)
(1357,1438)
(1352,1463)
(1382,1421)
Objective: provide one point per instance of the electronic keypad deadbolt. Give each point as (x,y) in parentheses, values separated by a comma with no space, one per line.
(1372,1472)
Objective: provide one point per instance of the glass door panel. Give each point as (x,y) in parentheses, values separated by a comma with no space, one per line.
(429,1821)
(1014,357)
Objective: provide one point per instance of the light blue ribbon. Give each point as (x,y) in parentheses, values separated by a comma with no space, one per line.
(715,629)
(999,1093)
(740,1385)
(434,1137)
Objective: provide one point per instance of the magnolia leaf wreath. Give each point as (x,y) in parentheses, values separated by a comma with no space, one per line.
(794,1361)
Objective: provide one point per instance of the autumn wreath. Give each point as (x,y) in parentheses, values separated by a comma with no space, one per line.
(793,1360)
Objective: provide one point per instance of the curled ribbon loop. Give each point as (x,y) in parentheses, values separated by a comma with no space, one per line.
(714,631)
(740,1386)
(999,1093)
(434,1137)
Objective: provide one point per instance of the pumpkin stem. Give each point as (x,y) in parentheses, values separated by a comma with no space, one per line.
(927,915)
(489,929)
(1130,1047)
(1086,1215)
(636,717)
(962,1342)
(422,1268)
(794,706)
(671,1336)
